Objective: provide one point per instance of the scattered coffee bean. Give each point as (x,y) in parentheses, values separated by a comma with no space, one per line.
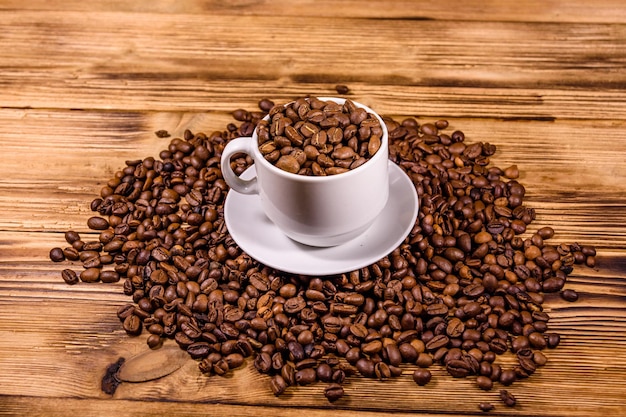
(342,89)
(57,255)
(484,382)
(486,407)
(97,223)
(567,295)
(90,275)
(69,276)
(463,288)
(333,392)
(507,398)
(422,376)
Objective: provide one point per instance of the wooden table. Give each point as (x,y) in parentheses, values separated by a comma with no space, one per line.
(84,86)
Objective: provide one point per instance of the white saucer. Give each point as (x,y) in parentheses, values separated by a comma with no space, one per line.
(262,240)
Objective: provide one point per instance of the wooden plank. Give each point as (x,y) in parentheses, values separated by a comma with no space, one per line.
(605,11)
(74,338)
(53,407)
(70,155)
(139,61)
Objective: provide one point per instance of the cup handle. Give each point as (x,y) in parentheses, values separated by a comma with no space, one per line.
(240,185)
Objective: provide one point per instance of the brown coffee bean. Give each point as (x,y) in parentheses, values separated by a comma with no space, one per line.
(288,163)
(57,255)
(463,288)
(109,276)
(507,398)
(569,295)
(69,276)
(486,407)
(507,377)
(365,367)
(422,376)
(552,340)
(484,383)
(90,275)
(306,376)
(458,368)
(333,392)
(97,223)
(278,385)
(132,325)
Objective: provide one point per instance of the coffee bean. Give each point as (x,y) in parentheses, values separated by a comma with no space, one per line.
(90,275)
(458,368)
(539,358)
(342,89)
(97,223)
(57,255)
(132,325)
(333,392)
(463,289)
(486,407)
(69,276)
(552,340)
(306,376)
(278,385)
(507,377)
(507,398)
(71,236)
(569,295)
(484,383)
(422,376)
(313,129)
(266,105)
(109,276)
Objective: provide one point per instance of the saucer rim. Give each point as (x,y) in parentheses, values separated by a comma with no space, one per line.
(399,174)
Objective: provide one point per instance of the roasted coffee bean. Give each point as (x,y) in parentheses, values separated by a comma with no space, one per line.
(552,340)
(69,276)
(539,358)
(303,124)
(90,275)
(263,362)
(133,325)
(57,255)
(507,398)
(484,383)
(486,407)
(97,223)
(109,276)
(306,376)
(342,89)
(458,368)
(569,295)
(507,377)
(464,287)
(422,376)
(71,236)
(278,385)
(333,392)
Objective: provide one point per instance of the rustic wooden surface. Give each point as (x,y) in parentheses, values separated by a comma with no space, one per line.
(84,86)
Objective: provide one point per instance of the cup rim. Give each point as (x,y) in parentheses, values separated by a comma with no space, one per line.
(258,157)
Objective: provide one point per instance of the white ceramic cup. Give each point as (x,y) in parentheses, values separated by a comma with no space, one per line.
(318,211)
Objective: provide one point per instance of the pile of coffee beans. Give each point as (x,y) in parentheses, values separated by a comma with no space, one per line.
(315,137)
(464,288)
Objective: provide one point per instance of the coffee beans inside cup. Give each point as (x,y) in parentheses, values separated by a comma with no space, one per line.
(463,290)
(315,137)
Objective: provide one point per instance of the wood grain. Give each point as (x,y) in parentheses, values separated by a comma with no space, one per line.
(84,86)
(607,11)
(138,61)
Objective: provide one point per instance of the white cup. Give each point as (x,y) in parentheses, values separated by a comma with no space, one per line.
(318,211)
